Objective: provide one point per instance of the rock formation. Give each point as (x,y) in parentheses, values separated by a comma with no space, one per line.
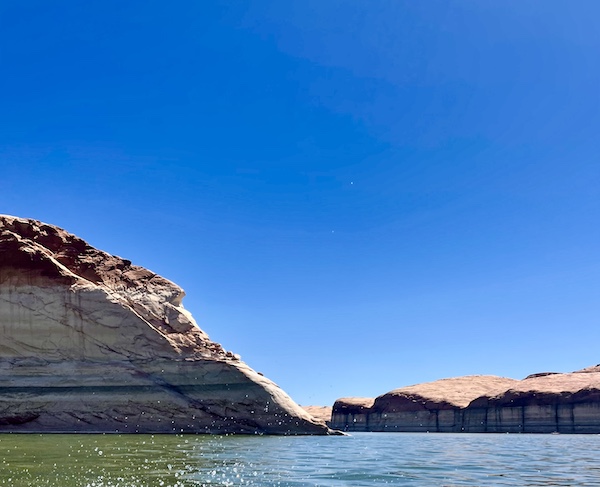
(432,406)
(541,403)
(322,413)
(91,342)
(352,413)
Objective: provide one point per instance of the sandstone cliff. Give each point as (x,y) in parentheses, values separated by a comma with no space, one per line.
(91,342)
(432,406)
(541,403)
(322,413)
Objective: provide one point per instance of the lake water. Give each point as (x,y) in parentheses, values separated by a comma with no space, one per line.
(364,459)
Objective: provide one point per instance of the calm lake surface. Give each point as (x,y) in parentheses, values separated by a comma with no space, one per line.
(364,459)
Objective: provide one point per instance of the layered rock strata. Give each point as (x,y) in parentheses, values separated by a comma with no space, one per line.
(352,413)
(93,343)
(541,403)
(432,406)
(548,403)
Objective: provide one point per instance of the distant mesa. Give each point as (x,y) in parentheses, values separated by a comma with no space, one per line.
(547,402)
(92,343)
(322,413)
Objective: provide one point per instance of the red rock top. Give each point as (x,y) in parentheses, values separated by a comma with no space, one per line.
(547,389)
(36,254)
(31,244)
(456,392)
(481,391)
(352,405)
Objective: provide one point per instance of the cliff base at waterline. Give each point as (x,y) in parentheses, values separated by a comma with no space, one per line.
(92,343)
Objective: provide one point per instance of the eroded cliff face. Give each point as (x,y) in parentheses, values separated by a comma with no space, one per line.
(429,407)
(352,413)
(540,403)
(91,342)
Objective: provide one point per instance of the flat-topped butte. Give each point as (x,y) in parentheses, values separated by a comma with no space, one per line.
(540,403)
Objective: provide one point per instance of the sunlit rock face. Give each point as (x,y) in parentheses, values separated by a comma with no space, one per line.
(541,403)
(91,342)
(432,406)
(322,413)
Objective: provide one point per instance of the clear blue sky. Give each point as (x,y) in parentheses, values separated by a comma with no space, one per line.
(356,196)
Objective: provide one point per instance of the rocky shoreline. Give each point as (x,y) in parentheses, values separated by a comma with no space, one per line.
(540,403)
(93,343)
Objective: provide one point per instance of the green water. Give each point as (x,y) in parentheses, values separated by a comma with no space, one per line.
(98,460)
(362,460)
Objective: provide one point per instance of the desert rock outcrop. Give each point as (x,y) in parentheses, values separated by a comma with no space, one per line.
(322,413)
(541,403)
(91,342)
(431,406)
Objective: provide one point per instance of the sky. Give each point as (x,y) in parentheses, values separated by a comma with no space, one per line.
(355,196)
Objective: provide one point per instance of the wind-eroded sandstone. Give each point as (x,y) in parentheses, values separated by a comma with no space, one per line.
(91,342)
(322,413)
(431,406)
(540,403)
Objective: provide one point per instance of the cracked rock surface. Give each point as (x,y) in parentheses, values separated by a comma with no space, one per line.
(93,343)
